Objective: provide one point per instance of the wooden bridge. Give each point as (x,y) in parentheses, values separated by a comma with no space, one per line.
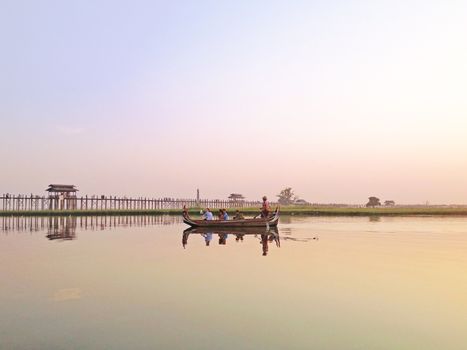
(57,202)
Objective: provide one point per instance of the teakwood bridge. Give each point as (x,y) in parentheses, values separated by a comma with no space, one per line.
(107,203)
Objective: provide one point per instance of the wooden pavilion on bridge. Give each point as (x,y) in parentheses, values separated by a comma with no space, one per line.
(237,197)
(69,190)
(62,196)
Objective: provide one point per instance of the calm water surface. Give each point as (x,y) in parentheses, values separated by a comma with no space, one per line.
(316,283)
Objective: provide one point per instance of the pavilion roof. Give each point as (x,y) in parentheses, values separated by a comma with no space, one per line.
(61,188)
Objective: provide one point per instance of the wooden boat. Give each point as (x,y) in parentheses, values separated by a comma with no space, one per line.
(272,220)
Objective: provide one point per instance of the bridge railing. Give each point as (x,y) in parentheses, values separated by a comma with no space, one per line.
(40,203)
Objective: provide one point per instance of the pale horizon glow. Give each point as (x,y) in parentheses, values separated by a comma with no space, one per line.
(338,100)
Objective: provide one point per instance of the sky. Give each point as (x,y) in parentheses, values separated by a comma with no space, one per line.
(340,100)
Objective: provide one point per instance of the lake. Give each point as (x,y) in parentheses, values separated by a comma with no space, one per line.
(140,282)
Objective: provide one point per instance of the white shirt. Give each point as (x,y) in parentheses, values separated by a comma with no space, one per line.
(208,215)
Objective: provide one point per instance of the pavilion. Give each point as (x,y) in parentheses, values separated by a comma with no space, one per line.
(65,190)
(62,196)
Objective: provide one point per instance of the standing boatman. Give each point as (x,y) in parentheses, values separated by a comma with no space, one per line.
(265,209)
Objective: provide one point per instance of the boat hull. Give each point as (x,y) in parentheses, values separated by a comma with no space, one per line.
(269,222)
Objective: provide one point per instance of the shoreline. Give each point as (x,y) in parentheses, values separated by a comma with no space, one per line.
(286,211)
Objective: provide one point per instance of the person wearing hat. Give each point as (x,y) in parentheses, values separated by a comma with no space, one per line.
(265,209)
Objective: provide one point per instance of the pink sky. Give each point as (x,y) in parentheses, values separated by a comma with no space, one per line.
(339,101)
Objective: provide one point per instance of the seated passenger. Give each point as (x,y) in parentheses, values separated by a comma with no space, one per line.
(226,216)
(238,215)
(220,216)
(207,214)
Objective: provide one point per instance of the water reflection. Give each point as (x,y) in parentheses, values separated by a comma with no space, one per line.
(129,286)
(265,236)
(287,236)
(64,227)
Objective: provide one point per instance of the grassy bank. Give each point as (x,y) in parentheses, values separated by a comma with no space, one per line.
(395,211)
(305,211)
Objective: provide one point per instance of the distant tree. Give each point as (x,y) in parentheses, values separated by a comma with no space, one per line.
(286,196)
(373,202)
(389,203)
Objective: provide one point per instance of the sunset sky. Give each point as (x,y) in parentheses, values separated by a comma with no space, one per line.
(338,99)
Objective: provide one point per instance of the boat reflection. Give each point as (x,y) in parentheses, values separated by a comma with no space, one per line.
(265,236)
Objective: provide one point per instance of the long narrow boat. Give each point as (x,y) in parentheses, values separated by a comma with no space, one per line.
(233,230)
(272,220)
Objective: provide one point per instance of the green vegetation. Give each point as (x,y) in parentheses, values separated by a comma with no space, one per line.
(286,196)
(380,211)
(286,210)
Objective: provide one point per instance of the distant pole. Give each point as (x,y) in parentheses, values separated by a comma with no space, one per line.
(197,197)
